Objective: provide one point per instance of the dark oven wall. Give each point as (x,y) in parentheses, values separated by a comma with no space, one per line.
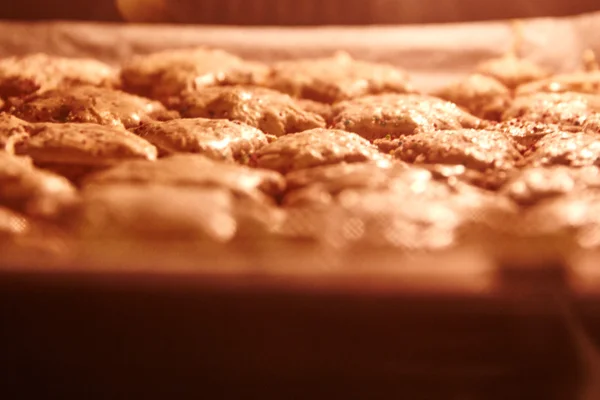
(293,12)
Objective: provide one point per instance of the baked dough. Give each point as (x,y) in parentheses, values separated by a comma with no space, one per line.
(483,96)
(336,78)
(569,110)
(313,148)
(74,150)
(183,196)
(166,74)
(393,115)
(23,75)
(11,224)
(535,184)
(84,144)
(320,185)
(580,82)
(12,130)
(475,149)
(525,133)
(512,71)
(156,212)
(574,149)
(272,112)
(88,104)
(402,206)
(587,81)
(33,191)
(215,138)
(574,215)
(192,170)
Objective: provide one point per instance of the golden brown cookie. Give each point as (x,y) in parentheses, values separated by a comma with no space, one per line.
(74,150)
(215,138)
(525,133)
(572,215)
(512,71)
(156,212)
(336,78)
(393,115)
(592,124)
(534,184)
(323,109)
(88,104)
(574,149)
(491,179)
(579,82)
(185,196)
(270,111)
(569,110)
(33,191)
(402,206)
(193,170)
(32,242)
(12,131)
(475,149)
(313,148)
(12,224)
(480,95)
(586,81)
(168,73)
(320,185)
(23,75)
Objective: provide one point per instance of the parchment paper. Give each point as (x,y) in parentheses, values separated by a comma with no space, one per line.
(433,54)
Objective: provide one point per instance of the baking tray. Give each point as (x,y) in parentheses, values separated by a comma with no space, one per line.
(295,320)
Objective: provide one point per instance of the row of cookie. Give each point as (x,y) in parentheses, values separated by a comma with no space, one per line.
(379,201)
(223,102)
(373,117)
(190,197)
(76,149)
(168,73)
